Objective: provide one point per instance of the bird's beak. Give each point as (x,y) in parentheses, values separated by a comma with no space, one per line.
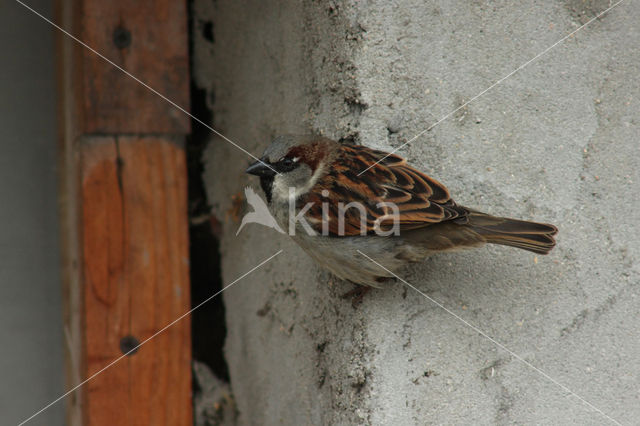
(261,168)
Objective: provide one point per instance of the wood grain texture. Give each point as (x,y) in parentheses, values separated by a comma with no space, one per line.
(135,268)
(124,210)
(148,38)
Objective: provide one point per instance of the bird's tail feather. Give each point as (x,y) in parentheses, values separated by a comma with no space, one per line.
(532,236)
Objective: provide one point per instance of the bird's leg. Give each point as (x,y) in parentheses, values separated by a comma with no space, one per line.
(357,294)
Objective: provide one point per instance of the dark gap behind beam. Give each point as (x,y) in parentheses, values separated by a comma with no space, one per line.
(208,329)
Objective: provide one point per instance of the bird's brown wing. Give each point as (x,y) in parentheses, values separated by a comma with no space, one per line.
(419,200)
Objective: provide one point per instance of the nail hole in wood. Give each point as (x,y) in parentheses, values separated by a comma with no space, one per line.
(121,37)
(129,345)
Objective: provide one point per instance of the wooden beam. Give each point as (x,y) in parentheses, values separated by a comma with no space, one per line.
(147,38)
(135,263)
(124,211)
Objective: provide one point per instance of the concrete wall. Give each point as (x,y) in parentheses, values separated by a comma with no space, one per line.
(31,366)
(557,141)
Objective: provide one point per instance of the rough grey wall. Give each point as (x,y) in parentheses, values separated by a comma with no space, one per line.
(556,142)
(31,362)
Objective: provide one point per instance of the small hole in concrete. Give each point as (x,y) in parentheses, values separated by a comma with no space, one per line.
(207,31)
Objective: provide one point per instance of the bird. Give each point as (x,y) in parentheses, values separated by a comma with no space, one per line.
(340,202)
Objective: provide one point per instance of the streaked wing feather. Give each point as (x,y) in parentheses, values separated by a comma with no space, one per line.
(420,199)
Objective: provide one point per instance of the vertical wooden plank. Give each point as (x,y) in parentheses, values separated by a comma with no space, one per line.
(148,38)
(106,296)
(135,262)
(124,211)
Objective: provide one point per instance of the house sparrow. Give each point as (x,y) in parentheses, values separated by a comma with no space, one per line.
(313,178)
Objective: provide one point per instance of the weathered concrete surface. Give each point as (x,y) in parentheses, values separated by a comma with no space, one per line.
(557,141)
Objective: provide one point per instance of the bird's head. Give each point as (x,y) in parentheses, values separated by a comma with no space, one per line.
(292,164)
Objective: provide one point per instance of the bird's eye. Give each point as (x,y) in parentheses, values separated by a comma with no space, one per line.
(286,164)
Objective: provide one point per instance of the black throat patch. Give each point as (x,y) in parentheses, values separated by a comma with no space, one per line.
(266,183)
